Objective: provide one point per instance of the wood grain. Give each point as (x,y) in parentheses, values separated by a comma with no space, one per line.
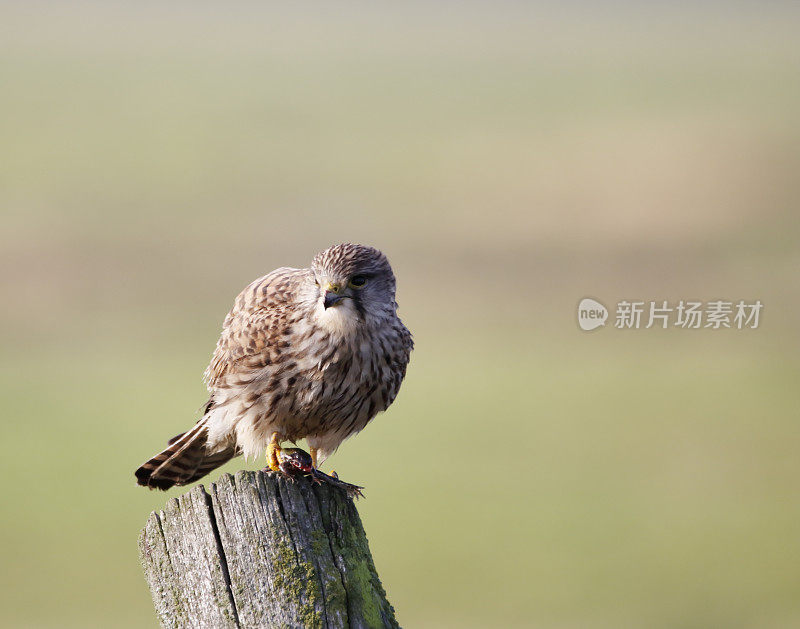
(259,550)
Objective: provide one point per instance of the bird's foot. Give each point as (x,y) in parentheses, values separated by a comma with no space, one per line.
(274,451)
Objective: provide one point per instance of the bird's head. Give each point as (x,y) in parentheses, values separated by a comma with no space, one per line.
(355,281)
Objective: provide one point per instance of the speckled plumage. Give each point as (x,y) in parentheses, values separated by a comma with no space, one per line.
(286,363)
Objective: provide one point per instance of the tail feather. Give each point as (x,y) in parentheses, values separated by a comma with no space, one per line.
(175,438)
(183,461)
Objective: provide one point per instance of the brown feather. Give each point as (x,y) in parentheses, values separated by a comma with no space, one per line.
(285,363)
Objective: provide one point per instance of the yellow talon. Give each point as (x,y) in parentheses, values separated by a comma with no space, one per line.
(273,450)
(313,452)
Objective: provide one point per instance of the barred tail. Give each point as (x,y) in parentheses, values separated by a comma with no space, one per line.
(183,461)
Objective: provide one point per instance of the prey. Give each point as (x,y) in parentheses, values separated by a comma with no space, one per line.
(296,462)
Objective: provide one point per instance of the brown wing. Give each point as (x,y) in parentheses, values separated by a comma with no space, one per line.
(255,324)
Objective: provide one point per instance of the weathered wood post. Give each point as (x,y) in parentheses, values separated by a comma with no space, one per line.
(258,550)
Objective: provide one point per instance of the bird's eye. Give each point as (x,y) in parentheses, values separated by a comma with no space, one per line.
(358,281)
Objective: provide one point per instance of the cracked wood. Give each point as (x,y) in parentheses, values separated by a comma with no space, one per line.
(258,550)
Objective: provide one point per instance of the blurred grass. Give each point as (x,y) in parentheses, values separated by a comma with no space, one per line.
(510,161)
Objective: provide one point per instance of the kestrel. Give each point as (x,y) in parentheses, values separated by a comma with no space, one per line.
(309,354)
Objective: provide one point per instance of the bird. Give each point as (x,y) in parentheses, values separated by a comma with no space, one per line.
(313,353)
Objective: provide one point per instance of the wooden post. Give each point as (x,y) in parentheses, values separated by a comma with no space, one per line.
(259,550)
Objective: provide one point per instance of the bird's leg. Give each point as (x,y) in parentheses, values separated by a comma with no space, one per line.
(273,450)
(313,453)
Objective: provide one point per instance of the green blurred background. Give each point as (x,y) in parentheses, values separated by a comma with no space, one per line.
(510,160)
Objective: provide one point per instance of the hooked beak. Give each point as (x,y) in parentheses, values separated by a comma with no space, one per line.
(333,295)
(331,299)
